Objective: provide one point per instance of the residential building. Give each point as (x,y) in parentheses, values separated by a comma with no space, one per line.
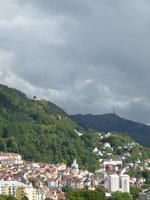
(113,183)
(27,191)
(9,187)
(113,162)
(10,158)
(124,180)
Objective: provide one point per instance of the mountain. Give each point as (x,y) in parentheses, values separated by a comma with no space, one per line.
(114,123)
(39,130)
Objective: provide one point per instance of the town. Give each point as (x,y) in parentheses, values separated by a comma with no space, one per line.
(38,181)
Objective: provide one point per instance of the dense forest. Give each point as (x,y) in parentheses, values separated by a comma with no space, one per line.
(39,130)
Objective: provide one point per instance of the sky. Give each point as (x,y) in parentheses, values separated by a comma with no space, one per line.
(87,56)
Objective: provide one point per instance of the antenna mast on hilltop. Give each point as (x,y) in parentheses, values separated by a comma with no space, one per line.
(114,110)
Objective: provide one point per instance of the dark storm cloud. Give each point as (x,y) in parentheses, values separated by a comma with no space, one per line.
(87,56)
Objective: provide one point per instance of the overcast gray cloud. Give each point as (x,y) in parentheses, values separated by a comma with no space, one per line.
(84,55)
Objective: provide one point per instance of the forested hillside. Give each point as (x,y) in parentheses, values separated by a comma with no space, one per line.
(40,130)
(114,123)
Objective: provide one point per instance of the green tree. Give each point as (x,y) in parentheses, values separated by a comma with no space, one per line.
(134,190)
(47,198)
(11,198)
(67,189)
(146,175)
(3,197)
(86,195)
(121,196)
(25,198)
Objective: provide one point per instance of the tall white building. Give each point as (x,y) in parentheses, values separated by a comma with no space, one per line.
(113,183)
(124,180)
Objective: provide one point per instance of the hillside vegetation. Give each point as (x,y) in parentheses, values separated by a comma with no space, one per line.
(39,130)
(114,123)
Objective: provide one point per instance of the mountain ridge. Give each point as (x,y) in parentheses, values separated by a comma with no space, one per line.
(114,123)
